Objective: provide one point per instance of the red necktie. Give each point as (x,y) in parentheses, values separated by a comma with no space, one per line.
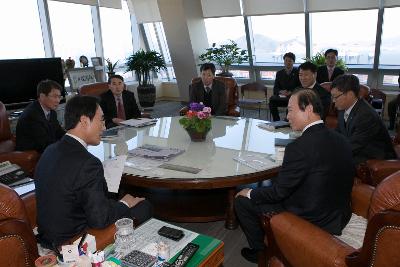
(120,109)
(330,72)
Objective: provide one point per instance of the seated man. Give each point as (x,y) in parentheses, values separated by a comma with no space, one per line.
(287,79)
(71,190)
(359,122)
(314,182)
(38,127)
(117,103)
(393,105)
(209,91)
(307,76)
(329,72)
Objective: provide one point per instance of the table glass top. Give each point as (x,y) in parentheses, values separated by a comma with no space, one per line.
(228,138)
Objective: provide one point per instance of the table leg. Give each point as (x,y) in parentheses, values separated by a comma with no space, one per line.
(231,222)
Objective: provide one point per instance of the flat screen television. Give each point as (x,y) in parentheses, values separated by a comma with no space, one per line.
(19,79)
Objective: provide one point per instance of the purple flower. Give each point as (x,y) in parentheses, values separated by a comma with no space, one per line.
(201,115)
(207,109)
(196,106)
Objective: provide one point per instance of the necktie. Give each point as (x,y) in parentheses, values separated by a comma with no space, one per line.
(120,109)
(208,89)
(330,72)
(48,116)
(345,117)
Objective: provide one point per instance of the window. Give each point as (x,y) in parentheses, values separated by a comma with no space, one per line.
(391,80)
(21,31)
(390,37)
(72,30)
(275,35)
(363,78)
(352,33)
(157,41)
(268,75)
(221,30)
(117,37)
(237,74)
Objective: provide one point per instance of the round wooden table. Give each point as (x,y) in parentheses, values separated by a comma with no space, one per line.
(209,194)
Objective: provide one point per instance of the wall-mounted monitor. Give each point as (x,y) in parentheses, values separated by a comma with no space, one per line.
(19,78)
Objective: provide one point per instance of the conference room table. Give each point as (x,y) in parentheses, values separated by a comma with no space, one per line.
(208,195)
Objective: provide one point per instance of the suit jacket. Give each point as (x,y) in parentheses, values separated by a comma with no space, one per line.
(109,106)
(323,76)
(219,106)
(71,193)
(315,179)
(284,81)
(325,97)
(366,132)
(34,131)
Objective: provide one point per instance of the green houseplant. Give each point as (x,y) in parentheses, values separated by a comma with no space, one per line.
(110,67)
(143,63)
(225,56)
(319,60)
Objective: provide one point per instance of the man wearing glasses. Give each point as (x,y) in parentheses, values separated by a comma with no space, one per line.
(38,126)
(359,122)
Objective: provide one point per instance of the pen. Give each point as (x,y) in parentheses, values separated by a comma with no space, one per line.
(82,239)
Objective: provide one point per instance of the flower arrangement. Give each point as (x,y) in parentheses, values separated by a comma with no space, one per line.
(197,118)
(110,65)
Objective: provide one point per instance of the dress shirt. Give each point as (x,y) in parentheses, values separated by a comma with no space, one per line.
(209,86)
(347,111)
(83,143)
(312,86)
(311,124)
(46,112)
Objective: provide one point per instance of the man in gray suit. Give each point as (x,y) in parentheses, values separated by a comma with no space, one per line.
(359,122)
(209,91)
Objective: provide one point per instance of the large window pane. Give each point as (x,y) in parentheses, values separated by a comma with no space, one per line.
(72,30)
(390,37)
(157,41)
(352,33)
(117,36)
(221,30)
(20,30)
(275,35)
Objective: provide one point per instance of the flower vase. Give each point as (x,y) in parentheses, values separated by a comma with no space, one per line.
(197,136)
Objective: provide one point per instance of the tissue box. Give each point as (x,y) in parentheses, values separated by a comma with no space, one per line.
(89,243)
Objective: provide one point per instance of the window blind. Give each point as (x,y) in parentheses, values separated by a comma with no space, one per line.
(220,8)
(145,10)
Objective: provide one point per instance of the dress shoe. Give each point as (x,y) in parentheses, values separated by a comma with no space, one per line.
(250,254)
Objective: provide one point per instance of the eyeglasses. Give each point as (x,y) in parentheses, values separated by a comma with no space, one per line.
(55,96)
(336,97)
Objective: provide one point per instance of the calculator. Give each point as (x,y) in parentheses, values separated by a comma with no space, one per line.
(138,258)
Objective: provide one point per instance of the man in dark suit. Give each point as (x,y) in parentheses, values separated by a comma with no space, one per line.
(329,72)
(71,191)
(359,122)
(287,79)
(209,91)
(38,127)
(307,76)
(314,182)
(393,105)
(117,103)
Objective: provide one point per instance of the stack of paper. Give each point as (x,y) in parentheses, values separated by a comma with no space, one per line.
(274,125)
(256,162)
(155,152)
(139,122)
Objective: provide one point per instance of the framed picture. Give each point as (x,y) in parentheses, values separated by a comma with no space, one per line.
(96,61)
(80,76)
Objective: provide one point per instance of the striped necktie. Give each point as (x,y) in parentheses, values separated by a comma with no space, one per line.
(120,109)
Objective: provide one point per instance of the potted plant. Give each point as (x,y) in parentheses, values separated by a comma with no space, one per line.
(197,121)
(144,62)
(225,56)
(111,67)
(319,60)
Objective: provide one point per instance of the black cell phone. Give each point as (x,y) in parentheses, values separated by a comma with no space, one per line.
(171,233)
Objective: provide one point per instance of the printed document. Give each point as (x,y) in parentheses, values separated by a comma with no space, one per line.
(113,169)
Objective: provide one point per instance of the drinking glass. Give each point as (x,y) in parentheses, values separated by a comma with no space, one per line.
(124,235)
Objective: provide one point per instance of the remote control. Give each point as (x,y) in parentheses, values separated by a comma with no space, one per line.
(138,258)
(171,233)
(184,256)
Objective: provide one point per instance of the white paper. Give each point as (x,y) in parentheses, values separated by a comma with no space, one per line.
(256,162)
(113,169)
(139,122)
(70,253)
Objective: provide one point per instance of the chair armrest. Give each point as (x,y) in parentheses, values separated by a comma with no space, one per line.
(380,169)
(182,111)
(29,201)
(361,195)
(379,249)
(25,159)
(22,231)
(292,236)
(234,112)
